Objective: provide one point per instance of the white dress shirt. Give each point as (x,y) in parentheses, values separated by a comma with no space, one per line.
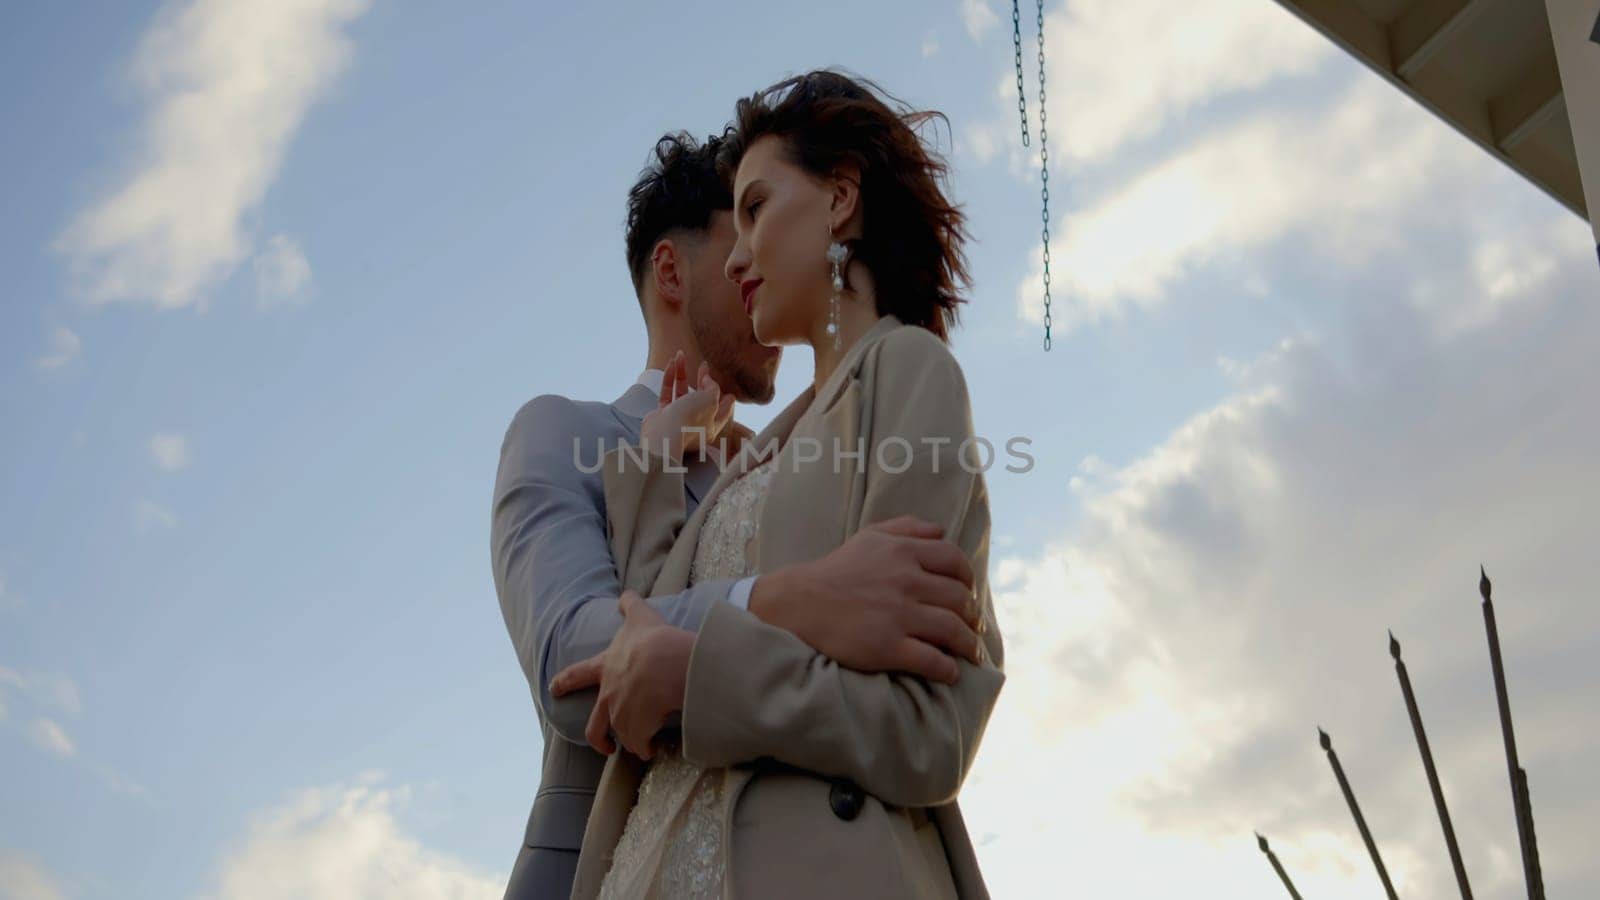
(739,594)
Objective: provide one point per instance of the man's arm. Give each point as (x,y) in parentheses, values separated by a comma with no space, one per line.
(552,563)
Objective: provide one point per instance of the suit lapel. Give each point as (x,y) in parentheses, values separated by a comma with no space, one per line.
(634,404)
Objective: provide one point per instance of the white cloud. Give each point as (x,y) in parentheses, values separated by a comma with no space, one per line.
(170,451)
(51,737)
(983,141)
(55,691)
(150,515)
(930,45)
(1344,183)
(1229,590)
(1507,267)
(229,84)
(59,693)
(118,782)
(65,346)
(978,18)
(283,276)
(344,842)
(1123,71)
(21,878)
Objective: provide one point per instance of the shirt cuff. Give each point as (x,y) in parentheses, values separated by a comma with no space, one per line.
(739,594)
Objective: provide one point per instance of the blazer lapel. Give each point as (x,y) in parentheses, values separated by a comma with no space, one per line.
(615,796)
(755,451)
(701,475)
(839,378)
(631,408)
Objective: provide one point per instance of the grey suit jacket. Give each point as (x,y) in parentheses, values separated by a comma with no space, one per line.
(558,593)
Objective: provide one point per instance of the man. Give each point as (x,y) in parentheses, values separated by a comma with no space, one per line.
(549,548)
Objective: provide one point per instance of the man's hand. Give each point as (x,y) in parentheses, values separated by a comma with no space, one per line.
(641,677)
(894,597)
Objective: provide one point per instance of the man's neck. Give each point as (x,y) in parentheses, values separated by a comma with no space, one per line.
(665,344)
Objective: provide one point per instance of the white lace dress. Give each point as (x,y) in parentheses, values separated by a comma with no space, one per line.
(678,817)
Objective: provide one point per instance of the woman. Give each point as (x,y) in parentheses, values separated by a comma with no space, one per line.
(797,776)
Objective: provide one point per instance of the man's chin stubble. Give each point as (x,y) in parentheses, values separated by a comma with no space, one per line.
(758,391)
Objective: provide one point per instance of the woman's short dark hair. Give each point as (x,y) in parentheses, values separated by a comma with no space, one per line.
(912,235)
(678,190)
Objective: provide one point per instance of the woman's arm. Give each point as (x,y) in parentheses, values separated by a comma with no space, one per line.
(755,690)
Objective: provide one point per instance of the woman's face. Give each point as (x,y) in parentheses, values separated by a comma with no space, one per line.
(782,218)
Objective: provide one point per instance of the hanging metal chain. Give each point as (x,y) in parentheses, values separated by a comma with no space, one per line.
(1016,41)
(1044,180)
(1044,139)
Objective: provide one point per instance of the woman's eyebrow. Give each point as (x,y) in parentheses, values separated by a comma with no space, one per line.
(739,204)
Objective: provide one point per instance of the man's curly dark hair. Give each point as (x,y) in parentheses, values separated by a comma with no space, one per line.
(677,192)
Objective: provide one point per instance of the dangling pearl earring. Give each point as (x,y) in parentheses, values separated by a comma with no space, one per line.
(837,253)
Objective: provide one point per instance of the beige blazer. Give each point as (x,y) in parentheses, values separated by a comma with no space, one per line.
(838,783)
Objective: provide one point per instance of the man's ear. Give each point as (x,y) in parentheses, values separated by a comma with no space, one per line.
(667,269)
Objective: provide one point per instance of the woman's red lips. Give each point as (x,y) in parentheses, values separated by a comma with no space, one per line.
(746,288)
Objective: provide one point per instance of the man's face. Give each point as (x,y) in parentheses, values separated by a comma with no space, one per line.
(739,363)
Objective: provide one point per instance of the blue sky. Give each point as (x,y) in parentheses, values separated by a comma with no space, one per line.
(279,275)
